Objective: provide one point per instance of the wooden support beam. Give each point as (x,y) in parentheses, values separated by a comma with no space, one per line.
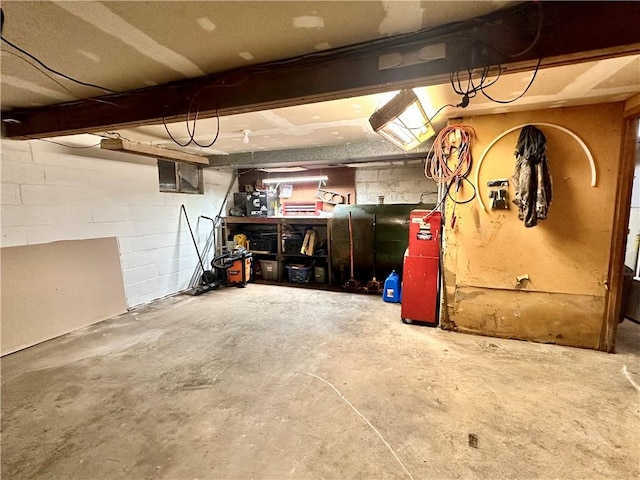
(571,32)
(615,276)
(632,106)
(121,145)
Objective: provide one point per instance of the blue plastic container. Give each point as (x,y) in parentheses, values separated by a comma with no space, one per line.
(391,292)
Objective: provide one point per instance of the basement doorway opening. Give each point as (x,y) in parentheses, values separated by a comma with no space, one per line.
(628,336)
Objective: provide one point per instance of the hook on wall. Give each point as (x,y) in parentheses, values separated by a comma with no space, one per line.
(592,163)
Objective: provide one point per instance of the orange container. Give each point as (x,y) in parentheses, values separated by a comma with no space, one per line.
(234,272)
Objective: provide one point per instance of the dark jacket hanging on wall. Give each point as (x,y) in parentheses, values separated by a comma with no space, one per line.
(532,179)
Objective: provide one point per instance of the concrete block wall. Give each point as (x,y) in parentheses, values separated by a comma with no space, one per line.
(398,184)
(53,193)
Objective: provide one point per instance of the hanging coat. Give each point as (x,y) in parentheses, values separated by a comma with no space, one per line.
(532,179)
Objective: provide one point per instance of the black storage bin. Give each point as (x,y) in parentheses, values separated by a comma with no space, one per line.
(263,242)
(292,242)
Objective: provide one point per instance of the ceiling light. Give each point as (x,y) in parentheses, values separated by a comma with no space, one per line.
(246,134)
(403,121)
(308,179)
(283,169)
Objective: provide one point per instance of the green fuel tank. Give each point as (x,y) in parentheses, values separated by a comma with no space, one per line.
(389,242)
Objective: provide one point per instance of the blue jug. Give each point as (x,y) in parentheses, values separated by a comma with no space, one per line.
(391,292)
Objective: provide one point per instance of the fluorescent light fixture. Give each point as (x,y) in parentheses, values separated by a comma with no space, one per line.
(309,179)
(283,169)
(403,121)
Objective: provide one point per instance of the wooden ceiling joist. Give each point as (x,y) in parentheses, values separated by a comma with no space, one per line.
(122,145)
(571,32)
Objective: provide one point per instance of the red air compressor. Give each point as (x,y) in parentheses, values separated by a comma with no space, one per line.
(421,268)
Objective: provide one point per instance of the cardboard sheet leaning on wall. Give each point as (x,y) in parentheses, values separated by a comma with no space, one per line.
(532,179)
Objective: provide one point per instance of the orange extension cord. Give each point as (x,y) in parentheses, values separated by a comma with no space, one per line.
(452,141)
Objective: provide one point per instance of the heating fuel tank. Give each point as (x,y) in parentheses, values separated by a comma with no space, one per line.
(389,241)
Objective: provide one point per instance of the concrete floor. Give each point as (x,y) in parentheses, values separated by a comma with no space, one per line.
(281,383)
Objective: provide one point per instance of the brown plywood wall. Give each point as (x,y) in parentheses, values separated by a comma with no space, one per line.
(54,288)
(566,257)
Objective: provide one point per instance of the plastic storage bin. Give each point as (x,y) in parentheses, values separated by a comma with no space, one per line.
(299,273)
(269,269)
(262,242)
(291,242)
(320,274)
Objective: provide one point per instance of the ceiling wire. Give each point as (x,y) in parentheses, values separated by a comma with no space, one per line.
(192,130)
(533,77)
(41,71)
(52,70)
(62,144)
(110,135)
(469,92)
(214,138)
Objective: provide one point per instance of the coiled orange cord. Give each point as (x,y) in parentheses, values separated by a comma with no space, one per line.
(453,141)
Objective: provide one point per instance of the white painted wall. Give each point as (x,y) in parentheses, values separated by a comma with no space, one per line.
(398,184)
(54,193)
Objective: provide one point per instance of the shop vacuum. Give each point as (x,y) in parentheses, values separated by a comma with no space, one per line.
(229,269)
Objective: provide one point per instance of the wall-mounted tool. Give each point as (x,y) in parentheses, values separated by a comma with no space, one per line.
(498,194)
(327,196)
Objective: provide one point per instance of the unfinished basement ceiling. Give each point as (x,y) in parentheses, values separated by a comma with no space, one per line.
(346,121)
(130,45)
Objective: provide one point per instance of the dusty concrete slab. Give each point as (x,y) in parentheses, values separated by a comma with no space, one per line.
(272,382)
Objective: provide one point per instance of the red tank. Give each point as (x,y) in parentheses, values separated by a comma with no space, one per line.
(421,268)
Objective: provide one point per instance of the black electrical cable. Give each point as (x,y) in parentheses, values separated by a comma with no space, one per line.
(533,77)
(39,70)
(438,205)
(441,201)
(39,62)
(443,107)
(447,194)
(113,134)
(471,90)
(195,119)
(166,127)
(194,131)
(459,180)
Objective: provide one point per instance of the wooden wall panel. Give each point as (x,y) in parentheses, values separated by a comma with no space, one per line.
(53,288)
(573,320)
(567,255)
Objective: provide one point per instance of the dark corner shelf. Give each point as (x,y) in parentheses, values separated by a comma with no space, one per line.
(276,226)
